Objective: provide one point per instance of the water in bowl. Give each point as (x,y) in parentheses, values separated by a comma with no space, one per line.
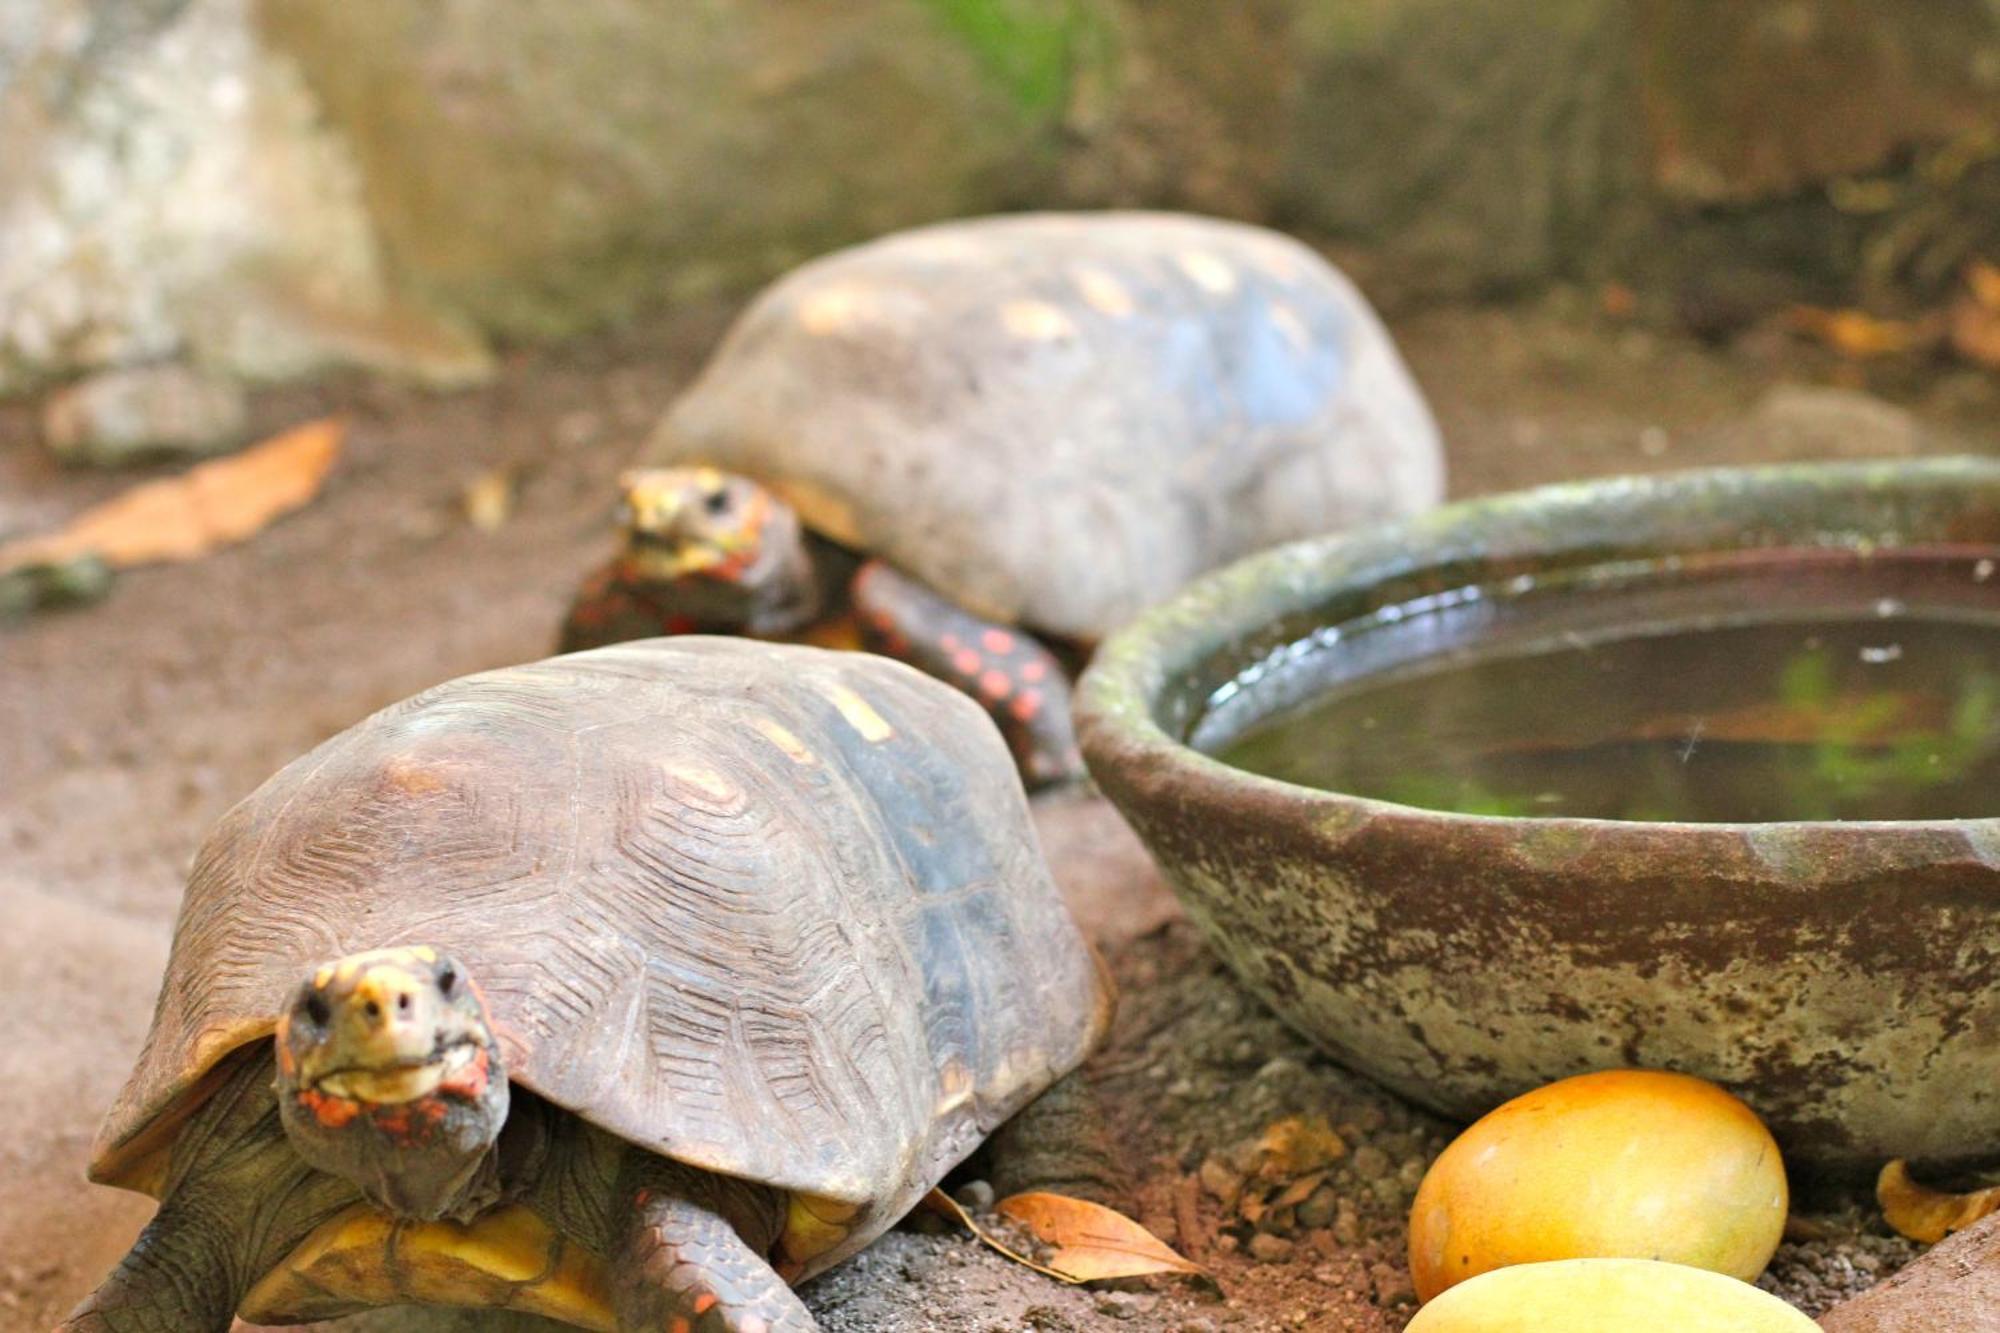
(1801,685)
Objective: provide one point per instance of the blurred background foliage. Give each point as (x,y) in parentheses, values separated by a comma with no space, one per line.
(266,186)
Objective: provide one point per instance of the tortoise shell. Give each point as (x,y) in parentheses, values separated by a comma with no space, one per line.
(1059,419)
(776,912)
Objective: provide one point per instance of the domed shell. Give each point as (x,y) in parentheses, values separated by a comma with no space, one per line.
(773,911)
(1059,419)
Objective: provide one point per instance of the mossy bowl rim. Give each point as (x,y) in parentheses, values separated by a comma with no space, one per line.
(1119,693)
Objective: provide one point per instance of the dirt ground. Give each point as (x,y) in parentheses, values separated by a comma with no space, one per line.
(127,727)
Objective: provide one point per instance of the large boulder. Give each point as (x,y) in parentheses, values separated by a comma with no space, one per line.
(170,192)
(544,165)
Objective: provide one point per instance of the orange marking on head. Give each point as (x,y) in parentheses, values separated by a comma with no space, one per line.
(967,662)
(679,1324)
(469,1082)
(704,1302)
(995,685)
(1026,704)
(997,641)
(331,1112)
(1034,671)
(949,642)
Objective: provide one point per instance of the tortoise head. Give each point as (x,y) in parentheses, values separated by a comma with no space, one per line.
(723,549)
(389,1075)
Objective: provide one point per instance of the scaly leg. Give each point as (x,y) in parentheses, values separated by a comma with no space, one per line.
(237,1201)
(1017,680)
(693,1261)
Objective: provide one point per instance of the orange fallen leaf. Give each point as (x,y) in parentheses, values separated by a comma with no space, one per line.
(1983,281)
(1855,333)
(1975,317)
(1925,1214)
(937,1201)
(180,518)
(1297,1146)
(1093,1242)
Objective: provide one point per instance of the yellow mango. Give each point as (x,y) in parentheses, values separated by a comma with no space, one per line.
(1627,1163)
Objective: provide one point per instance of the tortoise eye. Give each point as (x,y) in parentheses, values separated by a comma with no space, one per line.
(717,503)
(317,1009)
(447,981)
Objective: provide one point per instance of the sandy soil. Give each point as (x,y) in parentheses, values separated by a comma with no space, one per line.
(126,728)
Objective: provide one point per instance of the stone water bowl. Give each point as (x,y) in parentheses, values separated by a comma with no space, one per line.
(1843,977)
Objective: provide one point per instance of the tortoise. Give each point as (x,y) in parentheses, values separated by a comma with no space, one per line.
(1032,425)
(625,988)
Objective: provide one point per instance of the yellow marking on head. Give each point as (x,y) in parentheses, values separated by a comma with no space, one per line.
(794,748)
(813,1226)
(832,309)
(1104,292)
(323,977)
(424,953)
(1036,321)
(1290,325)
(345,970)
(1208,272)
(508,1259)
(708,479)
(859,715)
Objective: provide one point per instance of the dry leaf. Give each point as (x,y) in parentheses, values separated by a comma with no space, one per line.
(181,518)
(1297,1146)
(1983,279)
(1093,1242)
(1975,317)
(937,1201)
(489,499)
(1855,333)
(1925,1214)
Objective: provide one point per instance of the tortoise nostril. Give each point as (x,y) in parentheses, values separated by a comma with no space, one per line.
(372,1009)
(403,1004)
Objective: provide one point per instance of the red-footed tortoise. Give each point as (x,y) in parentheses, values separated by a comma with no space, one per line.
(1038,423)
(624,988)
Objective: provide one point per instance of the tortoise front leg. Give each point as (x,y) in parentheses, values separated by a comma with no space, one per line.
(1015,679)
(176,1279)
(689,1265)
(238,1199)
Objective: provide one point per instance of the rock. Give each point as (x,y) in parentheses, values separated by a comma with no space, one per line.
(1370,1162)
(1221,1180)
(170,191)
(117,417)
(1269,1249)
(1797,421)
(975,1196)
(1392,1284)
(1319,1208)
(1955,1286)
(545,166)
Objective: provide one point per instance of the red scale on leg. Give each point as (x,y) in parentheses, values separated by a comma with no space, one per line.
(994,664)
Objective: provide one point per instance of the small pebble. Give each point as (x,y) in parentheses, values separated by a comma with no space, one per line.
(975,1196)
(1270,1249)
(1319,1209)
(122,416)
(1370,1162)
(1392,1284)
(1221,1180)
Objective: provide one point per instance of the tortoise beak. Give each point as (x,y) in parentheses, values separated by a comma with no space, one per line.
(383,1027)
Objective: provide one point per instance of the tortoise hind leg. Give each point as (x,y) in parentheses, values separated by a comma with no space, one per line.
(687,1267)
(1016,680)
